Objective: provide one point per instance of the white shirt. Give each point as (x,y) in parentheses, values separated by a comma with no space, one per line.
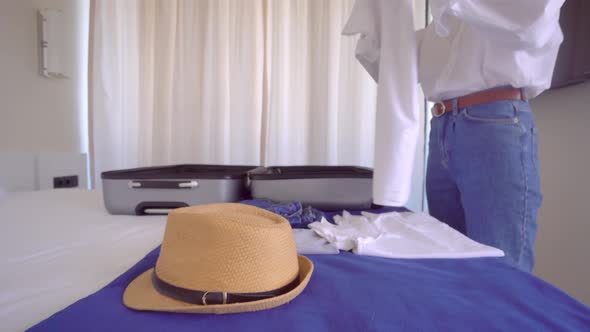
(472,45)
(475,45)
(400,235)
(387,50)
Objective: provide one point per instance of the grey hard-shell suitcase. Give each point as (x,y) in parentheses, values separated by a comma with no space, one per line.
(323,187)
(157,190)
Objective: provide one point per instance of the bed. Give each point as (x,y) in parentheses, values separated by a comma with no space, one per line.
(66,263)
(58,246)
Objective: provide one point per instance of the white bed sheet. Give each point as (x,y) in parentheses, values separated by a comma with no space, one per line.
(59,246)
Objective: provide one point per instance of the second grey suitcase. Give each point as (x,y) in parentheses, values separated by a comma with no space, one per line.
(157,190)
(323,187)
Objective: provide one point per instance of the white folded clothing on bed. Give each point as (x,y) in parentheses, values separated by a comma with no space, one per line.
(309,243)
(400,235)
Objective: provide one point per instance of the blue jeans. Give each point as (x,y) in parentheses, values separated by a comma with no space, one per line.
(483,176)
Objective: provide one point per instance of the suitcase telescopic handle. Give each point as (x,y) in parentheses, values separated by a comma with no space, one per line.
(153,184)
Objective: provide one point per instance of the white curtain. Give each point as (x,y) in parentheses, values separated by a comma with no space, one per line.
(321,105)
(268,82)
(175,81)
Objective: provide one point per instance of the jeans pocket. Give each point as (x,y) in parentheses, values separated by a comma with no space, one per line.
(501,112)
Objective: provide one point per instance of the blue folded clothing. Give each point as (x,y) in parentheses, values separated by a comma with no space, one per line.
(297,215)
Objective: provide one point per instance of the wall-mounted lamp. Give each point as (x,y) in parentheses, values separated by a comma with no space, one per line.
(51,46)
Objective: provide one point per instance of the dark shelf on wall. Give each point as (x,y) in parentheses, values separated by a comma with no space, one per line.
(573,60)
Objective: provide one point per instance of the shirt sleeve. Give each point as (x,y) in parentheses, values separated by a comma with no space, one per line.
(362,22)
(387,50)
(525,23)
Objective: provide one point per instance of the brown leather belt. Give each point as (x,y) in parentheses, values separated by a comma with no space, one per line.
(482,97)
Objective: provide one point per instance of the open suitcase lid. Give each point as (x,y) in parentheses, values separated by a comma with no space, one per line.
(310,172)
(180,172)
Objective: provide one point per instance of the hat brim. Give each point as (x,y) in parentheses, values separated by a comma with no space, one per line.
(140,294)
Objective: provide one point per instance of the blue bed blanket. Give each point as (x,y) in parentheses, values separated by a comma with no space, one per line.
(356,293)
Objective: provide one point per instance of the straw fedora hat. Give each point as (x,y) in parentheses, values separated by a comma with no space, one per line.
(222,258)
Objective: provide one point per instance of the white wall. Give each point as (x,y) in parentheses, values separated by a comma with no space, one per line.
(17,171)
(563,244)
(36,113)
(28,171)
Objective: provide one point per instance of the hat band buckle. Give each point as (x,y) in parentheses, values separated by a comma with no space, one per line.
(204,297)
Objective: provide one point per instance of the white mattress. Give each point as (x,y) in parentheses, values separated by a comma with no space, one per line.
(59,246)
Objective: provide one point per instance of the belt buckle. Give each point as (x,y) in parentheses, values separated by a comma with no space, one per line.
(437,112)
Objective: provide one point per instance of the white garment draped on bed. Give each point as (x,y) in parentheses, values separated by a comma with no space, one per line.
(400,235)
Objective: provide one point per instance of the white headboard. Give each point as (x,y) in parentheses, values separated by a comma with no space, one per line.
(28,171)
(17,171)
